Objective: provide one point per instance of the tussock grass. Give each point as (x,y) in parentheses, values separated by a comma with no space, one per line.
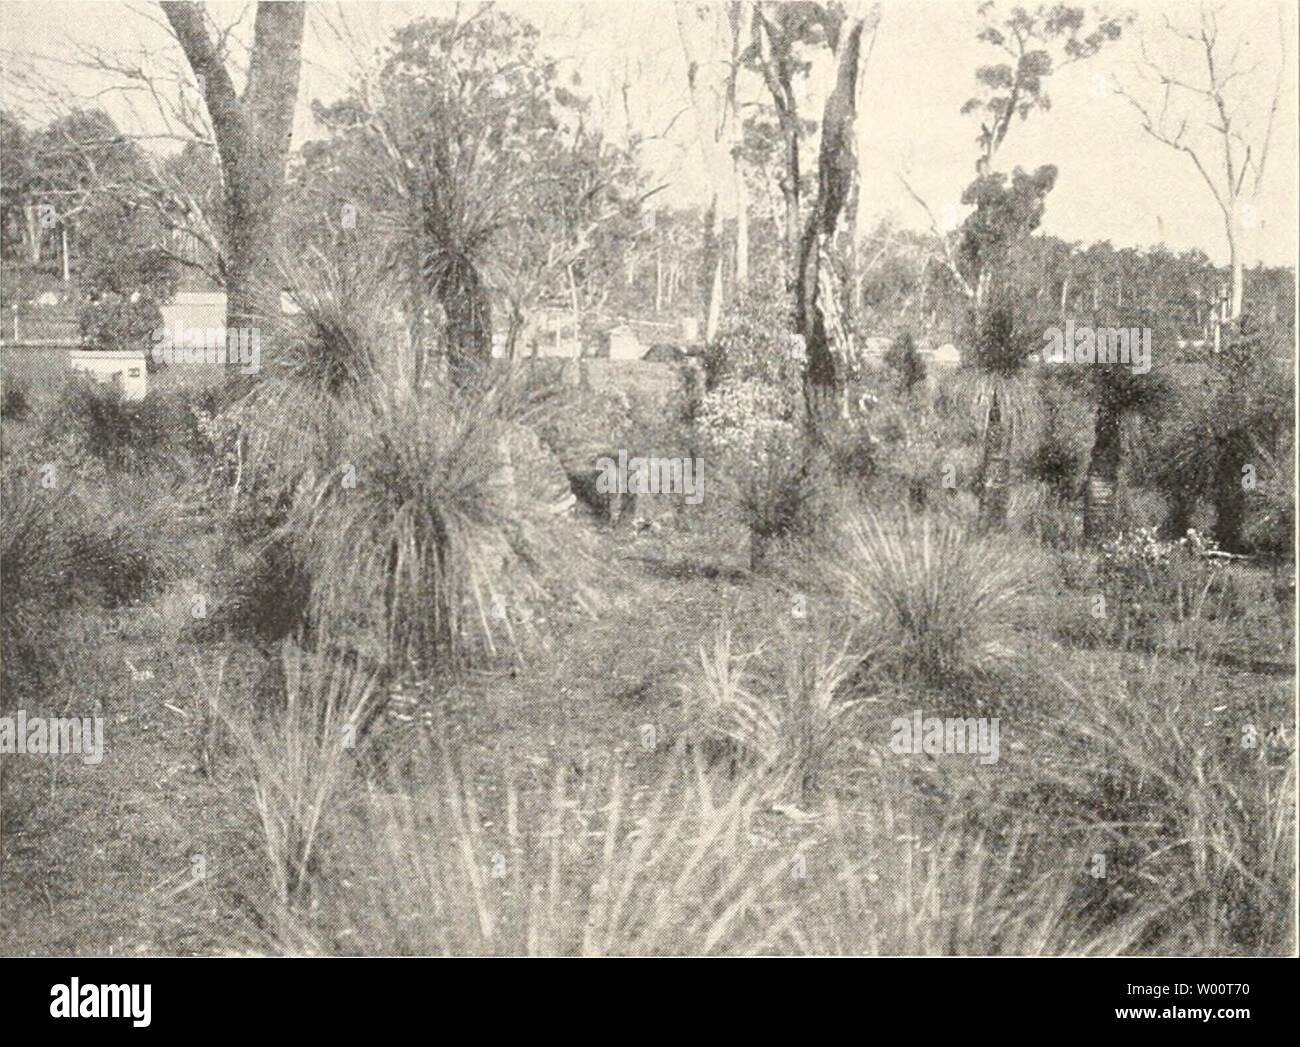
(442,863)
(943,601)
(913,884)
(298,760)
(784,729)
(596,869)
(1197,800)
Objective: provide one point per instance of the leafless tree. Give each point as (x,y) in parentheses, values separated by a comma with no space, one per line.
(713,39)
(1172,108)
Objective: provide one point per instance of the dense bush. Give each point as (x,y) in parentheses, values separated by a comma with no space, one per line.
(68,544)
(1203,812)
(761,459)
(87,422)
(116,321)
(754,343)
(35,559)
(15,406)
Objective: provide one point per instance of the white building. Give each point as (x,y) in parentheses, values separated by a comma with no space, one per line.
(195,319)
(946,356)
(123,368)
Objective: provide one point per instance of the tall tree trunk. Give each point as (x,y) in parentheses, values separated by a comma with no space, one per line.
(1232,452)
(742,226)
(835,213)
(1103,476)
(469,324)
(252,134)
(740,19)
(31,213)
(707,32)
(1238,286)
(995,488)
(711,276)
(1178,518)
(793,238)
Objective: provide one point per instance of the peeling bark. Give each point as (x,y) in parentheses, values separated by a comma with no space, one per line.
(252,135)
(835,215)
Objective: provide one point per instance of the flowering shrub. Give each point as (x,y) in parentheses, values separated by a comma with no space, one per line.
(755,342)
(1142,550)
(1148,581)
(748,427)
(747,419)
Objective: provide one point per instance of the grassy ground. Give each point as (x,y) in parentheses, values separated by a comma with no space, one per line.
(102,859)
(93,856)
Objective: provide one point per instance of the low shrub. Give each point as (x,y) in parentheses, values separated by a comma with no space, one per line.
(1150,584)
(763,464)
(65,544)
(87,422)
(35,558)
(15,406)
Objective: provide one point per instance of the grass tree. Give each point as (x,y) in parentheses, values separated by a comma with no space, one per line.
(1117,389)
(997,388)
(1226,435)
(469,152)
(1118,392)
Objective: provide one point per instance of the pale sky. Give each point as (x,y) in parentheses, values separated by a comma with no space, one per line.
(1115,183)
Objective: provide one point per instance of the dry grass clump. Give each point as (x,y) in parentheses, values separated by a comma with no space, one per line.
(594,868)
(943,601)
(785,729)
